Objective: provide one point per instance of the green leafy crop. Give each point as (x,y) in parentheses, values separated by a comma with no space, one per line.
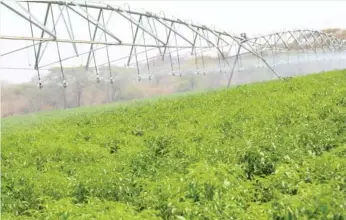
(274,150)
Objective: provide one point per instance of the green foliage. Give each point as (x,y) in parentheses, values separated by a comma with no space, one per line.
(273,150)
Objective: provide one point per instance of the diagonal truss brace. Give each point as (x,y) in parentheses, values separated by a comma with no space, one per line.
(42,33)
(93,39)
(29,19)
(135,23)
(252,51)
(134,35)
(94,22)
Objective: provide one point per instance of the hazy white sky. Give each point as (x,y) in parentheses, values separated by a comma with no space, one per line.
(253,17)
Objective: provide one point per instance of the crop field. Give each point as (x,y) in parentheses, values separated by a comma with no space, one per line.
(273,150)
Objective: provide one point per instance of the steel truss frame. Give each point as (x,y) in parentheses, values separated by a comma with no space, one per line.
(305,41)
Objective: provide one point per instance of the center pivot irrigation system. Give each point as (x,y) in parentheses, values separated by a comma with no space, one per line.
(99,35)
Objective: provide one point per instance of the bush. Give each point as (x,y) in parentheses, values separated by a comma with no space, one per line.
(266,150)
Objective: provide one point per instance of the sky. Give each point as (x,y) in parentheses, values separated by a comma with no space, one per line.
(252,17)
